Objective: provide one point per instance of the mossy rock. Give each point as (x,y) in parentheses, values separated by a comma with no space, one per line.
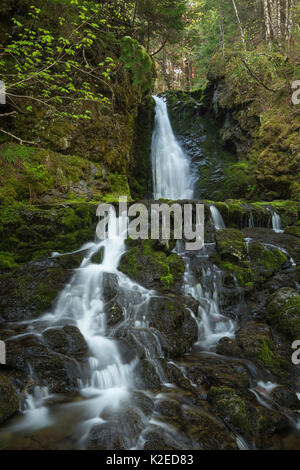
(265,262)
(256,343)
(294,230)
(230,245)
(284,312)
(231,408)
(9,402)
(151,267)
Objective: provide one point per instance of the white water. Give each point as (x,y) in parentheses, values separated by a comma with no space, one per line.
(276,223)
(217,218)
(171,169)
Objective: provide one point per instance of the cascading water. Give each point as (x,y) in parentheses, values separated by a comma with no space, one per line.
(172,175)
(217,218)
(276,222)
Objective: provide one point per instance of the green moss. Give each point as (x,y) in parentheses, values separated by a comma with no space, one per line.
(267,355)
(284,312)
(232,408)
(7,260)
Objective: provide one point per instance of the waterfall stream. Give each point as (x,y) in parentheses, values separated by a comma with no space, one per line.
(172,174)
(110,378)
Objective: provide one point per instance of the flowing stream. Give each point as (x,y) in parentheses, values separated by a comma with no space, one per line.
(109,378)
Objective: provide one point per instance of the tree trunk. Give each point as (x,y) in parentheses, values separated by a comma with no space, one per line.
(239,23)
(267,21)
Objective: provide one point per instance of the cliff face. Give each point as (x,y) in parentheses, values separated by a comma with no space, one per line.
(260,121)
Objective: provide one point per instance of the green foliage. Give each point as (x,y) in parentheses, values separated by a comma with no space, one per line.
(138,61)
(50,64)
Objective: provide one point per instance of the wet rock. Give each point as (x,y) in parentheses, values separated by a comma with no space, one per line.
(155,439)
(231,245)
(59,372)
(151,267)
(265,262)
(284,312)
(256,342)
(66,340)
(173,319)
(148,374)
(110,286)
(286,397)
(205,430)
(9,402)
(31,289)
(231,408)
(114,313)
(120,432)
(217,371)
(228,347)
(97,258)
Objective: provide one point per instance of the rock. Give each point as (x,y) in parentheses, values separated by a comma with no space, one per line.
(231,408)
(284,312)
(59,372)
(120,431)
(256,342)
(30,290)
(207,431)
(230,245)
(217,371)
(228,347)
(173,319)
(265,262)
(151,267)
(9,402)
(285,397)
(66,340)
(114,313)
(110,286)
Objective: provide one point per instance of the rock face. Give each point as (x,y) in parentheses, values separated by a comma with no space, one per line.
(9,402)
(151,267)
(172,317)
(284,312)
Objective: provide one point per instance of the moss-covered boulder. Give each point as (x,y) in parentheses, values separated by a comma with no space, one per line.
(231,245)
(284,312)
(265,262)
(232,256)
(256,342)
(231,408)
(151,267)
(9,402)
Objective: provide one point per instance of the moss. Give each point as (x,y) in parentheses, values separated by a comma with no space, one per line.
(145,262)
(294,230)
(242,272)
(284,312)
(7,260)
(267,355)
(265,262)
(231,408)
(230,245)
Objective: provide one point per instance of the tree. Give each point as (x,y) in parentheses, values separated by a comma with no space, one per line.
(57,71)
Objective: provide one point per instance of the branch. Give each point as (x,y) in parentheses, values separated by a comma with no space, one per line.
(12,113)
(258,79)
(18,138)
(163,45)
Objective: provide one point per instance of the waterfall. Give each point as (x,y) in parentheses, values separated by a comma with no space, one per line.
(171,169)
(217,218)
(276,222)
